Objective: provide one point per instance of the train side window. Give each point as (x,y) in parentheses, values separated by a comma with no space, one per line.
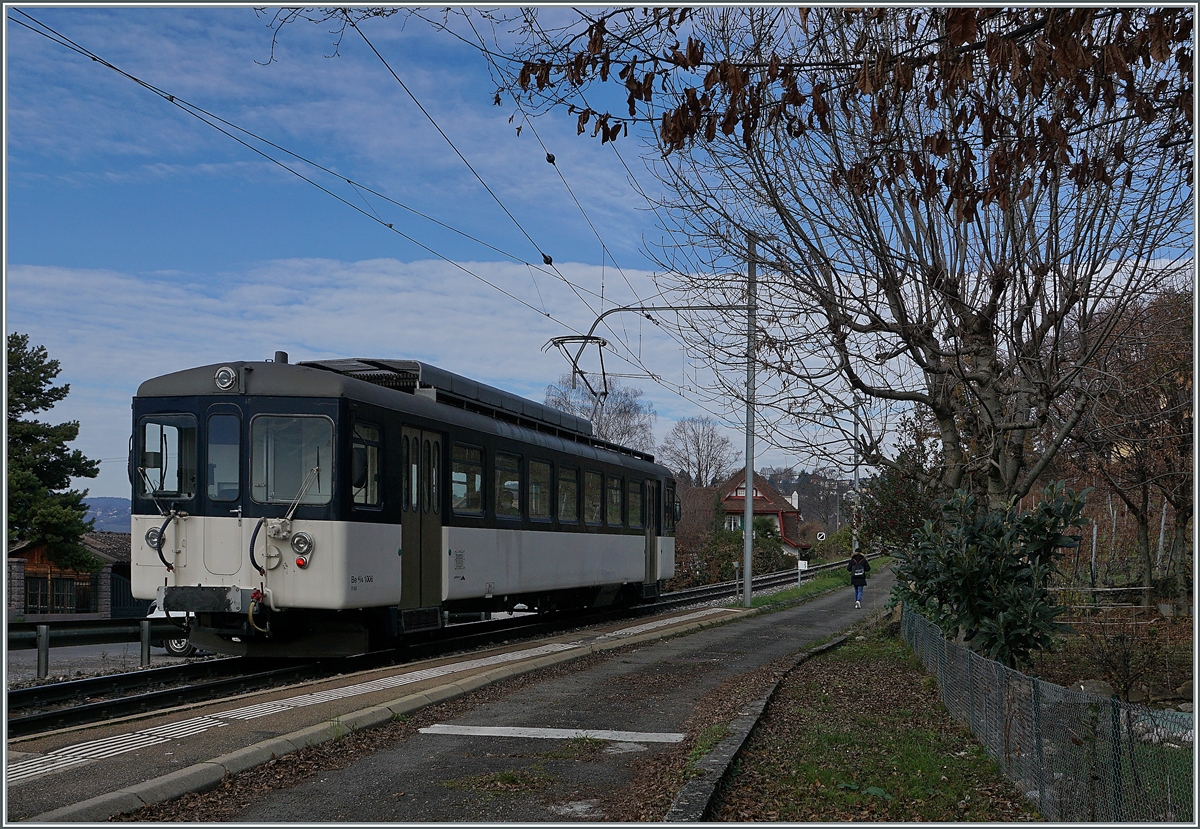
(593,496)
(224,457)
(635,503)
(437,475)
(507,487)
(568,495)
(364,474)
(615,486)
(539,490)
(669,507)
(466,480)
(414,481)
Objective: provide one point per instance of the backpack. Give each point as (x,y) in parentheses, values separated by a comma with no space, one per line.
(858,570)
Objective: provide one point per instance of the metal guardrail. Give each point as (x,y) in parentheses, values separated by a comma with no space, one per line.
(24,635)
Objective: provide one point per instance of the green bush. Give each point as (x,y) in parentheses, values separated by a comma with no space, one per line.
(983,573)
(835,546)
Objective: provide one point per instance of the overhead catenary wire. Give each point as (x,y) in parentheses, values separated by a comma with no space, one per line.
(219,124)
(545,257)
(204,116)
(604,249)
(549,157)
(356,185)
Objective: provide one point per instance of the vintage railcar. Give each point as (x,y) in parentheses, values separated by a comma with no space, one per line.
(329,507)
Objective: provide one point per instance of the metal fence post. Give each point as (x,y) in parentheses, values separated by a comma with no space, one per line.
(1040,771)
(1118,797)
(145,625)
(971,691)
(43,649)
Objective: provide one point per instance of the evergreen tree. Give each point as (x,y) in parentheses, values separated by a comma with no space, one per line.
(41,507)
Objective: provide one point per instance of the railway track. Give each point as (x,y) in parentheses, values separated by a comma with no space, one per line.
(43,708)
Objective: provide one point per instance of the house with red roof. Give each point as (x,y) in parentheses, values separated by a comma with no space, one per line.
(767,503)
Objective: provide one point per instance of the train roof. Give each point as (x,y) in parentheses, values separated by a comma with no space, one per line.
(419,382)
(411,375)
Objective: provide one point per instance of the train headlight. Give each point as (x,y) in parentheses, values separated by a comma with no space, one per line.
(152,536)
(302,544)
(225,378)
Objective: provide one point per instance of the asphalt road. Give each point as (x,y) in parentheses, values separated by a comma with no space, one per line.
(453,777)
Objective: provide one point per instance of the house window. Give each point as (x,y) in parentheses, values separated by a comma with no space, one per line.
(59,595)
(37,595)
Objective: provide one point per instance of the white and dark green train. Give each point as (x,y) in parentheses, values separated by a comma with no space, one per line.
(325,508)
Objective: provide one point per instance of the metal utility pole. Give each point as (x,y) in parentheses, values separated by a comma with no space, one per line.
(854,506)
(748,513)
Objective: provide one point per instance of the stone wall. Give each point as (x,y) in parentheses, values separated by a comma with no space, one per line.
(15,585)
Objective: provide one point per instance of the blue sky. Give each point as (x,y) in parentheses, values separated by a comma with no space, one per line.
(140,241)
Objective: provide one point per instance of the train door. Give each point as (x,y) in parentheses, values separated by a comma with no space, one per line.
(227,543)
(652,515)
(421,521)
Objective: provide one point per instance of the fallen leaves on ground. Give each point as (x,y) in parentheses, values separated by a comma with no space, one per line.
(860,734)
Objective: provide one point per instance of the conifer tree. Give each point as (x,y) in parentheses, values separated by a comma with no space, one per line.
(41,505)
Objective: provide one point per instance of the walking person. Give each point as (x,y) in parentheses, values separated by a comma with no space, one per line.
(858,567)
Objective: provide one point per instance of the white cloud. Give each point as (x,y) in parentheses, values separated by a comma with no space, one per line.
(112,330)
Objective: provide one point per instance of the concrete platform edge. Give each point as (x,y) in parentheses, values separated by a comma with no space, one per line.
(199,776)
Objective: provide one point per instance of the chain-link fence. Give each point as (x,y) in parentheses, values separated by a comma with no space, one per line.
(1076,756)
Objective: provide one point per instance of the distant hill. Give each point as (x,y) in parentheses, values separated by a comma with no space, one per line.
(111,514)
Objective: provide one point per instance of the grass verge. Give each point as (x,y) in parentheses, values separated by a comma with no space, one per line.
(822,581)
(858,734)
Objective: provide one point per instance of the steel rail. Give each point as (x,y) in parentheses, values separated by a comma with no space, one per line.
(37,696)
(151,701)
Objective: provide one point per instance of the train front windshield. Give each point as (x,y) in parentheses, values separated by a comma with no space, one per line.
(223,458)
(167,457)
(291,458)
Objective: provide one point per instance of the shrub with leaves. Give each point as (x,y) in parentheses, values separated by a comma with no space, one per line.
(983,573)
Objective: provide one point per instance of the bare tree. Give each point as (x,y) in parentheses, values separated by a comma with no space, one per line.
(951,206)
(695,449)
(946,202)
(623,418)
(1137,434)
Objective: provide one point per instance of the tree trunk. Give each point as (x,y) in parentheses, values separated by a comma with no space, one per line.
(1181,552)
(1142,516)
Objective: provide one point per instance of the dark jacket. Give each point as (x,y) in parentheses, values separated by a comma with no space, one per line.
(858,567)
